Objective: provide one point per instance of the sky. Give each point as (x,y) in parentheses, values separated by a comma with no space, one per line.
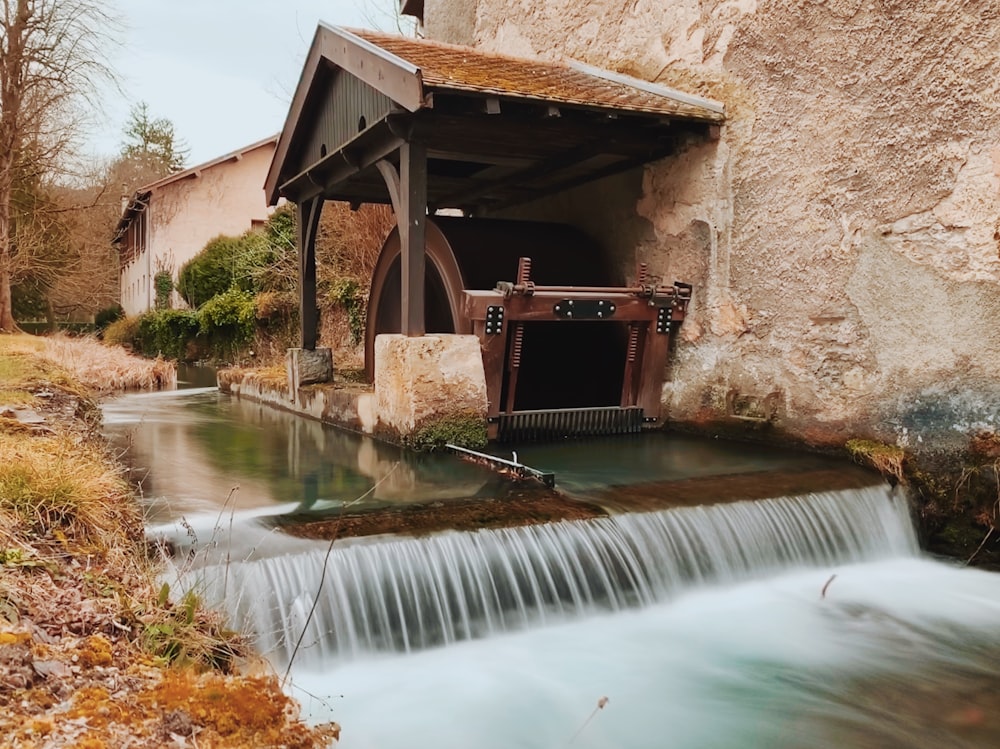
(223,71)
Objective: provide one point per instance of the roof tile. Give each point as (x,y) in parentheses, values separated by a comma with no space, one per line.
(454,67)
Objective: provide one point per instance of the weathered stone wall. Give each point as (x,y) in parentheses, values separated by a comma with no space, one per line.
(844,232)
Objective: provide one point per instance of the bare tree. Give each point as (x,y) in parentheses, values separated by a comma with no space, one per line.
(52,53)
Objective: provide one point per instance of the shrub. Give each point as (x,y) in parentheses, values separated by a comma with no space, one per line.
(347,293)
(208,273)
(123,332)
(107,316)
(228,320)
(163,283)
(276,306)
(167,332)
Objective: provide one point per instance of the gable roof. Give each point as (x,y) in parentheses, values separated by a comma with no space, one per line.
(417,77)
(140,198)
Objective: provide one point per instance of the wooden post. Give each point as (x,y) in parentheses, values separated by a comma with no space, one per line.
(412,220)
(307,214)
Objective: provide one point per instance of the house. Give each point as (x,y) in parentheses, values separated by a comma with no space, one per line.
(842,235)
(166,223)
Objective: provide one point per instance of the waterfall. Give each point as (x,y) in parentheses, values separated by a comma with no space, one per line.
(404,594)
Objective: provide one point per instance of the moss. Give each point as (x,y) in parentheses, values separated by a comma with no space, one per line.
(462,429)
(889,460)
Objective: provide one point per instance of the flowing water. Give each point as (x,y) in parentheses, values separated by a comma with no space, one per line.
(797,621)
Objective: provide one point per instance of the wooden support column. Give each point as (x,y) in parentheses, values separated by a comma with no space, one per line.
(412,220)
(307,214)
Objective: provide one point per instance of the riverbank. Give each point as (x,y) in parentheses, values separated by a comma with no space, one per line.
(93,651)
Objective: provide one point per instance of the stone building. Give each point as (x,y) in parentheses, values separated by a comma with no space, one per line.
(167,222)
(842,235)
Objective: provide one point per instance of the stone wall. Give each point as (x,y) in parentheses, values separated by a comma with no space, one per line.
(843,234)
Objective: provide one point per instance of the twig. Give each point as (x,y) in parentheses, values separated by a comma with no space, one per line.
(600,706)
(979,548)
(822,593)
(322,575)
(229,545)
(324,701)
(995,513)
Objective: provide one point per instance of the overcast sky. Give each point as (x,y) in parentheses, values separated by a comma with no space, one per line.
(223,71)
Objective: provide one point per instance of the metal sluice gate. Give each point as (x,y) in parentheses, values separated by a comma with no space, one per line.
(537,426)
(565,352)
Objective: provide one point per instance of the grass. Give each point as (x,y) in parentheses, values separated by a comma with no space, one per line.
(107,368)
(57,489)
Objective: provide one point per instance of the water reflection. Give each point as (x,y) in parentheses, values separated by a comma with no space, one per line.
(196,451)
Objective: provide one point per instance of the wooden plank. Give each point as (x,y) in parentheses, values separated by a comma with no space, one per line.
(654,363)
(494,348)
(412,221)
(338,166)
(540,306)
(390,74)
(391,177)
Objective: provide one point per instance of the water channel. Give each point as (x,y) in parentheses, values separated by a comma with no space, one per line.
(806,616)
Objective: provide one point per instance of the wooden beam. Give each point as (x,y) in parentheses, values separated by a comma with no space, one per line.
(365,150)
(391,177)
(412,221)
(308,213)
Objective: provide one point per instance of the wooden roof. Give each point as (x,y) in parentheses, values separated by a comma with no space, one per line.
(498,129)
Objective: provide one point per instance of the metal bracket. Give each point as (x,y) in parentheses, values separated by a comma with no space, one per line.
(584,309)
(494,320)
(664,320)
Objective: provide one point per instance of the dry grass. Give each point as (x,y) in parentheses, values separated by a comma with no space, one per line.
(274,376)
(59,492)
(108,369)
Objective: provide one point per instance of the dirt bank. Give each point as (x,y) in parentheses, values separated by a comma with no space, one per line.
(93,652)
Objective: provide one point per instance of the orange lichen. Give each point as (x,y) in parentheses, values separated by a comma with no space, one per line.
(14,638)
(96,705)
(250,705)
(96,651)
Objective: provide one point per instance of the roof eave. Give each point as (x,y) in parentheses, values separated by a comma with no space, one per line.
(195,171)
(135,204)
(398,79)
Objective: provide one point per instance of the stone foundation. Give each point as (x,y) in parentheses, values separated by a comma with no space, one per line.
(427,381)
(428,390)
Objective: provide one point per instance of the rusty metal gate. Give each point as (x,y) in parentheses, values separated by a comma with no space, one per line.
(565,352)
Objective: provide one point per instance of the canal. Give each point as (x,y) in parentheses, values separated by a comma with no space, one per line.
(713,594)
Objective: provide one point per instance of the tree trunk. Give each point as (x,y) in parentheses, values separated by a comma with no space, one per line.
(50,315)
(7,324)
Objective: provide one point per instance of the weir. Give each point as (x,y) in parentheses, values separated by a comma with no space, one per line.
(406,594)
